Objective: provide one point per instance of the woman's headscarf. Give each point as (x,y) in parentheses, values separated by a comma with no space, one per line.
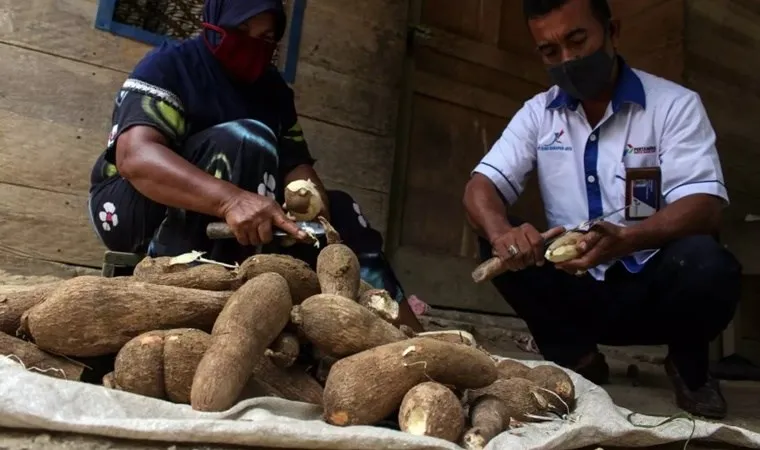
(232,13)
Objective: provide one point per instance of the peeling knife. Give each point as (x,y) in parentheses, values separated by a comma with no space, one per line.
(220,230)
(584,227)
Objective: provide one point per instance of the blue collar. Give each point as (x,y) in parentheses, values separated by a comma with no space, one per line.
(628,90)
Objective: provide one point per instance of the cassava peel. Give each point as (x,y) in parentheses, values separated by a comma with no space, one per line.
(250,321)
(95,316)
(432,409)
(365,388)
(340,327)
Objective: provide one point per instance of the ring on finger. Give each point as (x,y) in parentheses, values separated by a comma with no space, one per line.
(513,250)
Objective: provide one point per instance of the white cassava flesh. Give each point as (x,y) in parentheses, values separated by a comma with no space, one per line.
(564,248)
(302,200)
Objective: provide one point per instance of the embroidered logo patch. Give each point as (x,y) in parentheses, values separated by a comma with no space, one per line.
(556,143)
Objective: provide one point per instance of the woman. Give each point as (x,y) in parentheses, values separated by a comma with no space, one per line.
(206,130)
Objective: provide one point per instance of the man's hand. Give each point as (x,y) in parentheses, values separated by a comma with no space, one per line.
(522,246)
(251,218)
(603,243)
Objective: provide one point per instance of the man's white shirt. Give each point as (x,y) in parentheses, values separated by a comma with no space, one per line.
(650,122)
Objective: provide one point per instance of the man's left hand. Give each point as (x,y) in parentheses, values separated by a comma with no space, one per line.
(603,243)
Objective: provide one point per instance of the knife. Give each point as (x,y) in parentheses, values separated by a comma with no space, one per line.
(494,267)
(220,230)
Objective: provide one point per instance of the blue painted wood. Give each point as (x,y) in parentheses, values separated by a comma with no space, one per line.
(294,40)
(104,21)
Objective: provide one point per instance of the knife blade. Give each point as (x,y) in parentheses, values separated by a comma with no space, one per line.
(220,230)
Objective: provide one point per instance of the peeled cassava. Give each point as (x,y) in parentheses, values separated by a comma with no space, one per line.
(564,248)
(303,200)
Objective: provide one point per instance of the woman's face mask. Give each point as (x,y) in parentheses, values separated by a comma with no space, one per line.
(243,56)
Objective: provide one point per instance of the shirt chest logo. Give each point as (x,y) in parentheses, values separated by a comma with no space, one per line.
(555,143)
(642,150)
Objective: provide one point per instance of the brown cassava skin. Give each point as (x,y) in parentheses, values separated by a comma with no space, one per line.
(489,417)
(36,360)
(365,388)
(302,280)
(250,321)
(509,368)
(292,383)
(520,396)
(210,277)
(150,266)
(139,365)
(95,316)
(338,271)
(453,336)
(554,379)
(340,327)
(183,350)
(380,302)
(15,300)
(331,234)
(284,350)
(432,409)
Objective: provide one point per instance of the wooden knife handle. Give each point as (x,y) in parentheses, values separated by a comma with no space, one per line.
(492,268)
(219,230)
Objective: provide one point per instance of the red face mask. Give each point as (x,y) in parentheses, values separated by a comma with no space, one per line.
(243,56)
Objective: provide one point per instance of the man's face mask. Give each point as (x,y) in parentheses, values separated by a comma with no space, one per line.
(243,56)
(586,77)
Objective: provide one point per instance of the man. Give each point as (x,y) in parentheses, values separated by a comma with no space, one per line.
(206,130)
(605,137)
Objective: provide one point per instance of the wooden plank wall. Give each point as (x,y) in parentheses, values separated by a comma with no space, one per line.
(60,76)
(722,64)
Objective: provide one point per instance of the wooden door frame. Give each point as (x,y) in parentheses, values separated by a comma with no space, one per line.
(397,194)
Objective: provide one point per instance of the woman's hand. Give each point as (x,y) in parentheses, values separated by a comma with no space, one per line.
(251,218)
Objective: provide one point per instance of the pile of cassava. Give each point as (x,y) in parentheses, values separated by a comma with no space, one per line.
(209,336)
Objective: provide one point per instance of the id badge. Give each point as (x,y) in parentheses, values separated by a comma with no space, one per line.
(642,192)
